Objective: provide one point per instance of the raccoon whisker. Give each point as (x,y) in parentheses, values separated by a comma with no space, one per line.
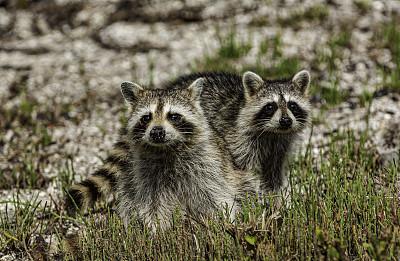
(261,122)
(184,144)
(172,148)
(260,125)
(262,132)
(137,137)
(302,125)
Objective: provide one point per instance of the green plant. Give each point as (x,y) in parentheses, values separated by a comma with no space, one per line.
(230,50)
(337,211)
(363,5)
(365,97)
(285,68)
(17,227)
(264,47)
(315,13)
(67,174)
(391,40)
(277,46)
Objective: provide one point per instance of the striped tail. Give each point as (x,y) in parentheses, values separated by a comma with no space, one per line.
(102,183)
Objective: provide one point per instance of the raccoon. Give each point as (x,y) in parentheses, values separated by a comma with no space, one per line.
(260,120)
(167,156)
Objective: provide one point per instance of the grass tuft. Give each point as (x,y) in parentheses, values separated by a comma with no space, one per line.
(230,50)
(391,40)
(344,205)
(21,230)
(313,14)
(363,6)
(285,68)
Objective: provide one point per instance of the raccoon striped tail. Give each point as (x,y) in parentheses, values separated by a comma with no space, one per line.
(101,184)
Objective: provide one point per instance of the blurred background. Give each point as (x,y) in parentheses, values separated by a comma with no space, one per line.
(62,61)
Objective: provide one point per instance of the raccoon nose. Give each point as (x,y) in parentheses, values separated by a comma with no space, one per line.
(157,134)
(285,122)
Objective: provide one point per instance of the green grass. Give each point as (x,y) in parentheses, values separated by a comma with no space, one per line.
(231,48)
(363,6)
(19,228)
(348,208)
(28,163)
(229,51)
(277,46)
(285,68)
(30,124)
(336,44)
(366,97)
(329,62)
(331,95)
(391,40)
(313,14)
(344,204)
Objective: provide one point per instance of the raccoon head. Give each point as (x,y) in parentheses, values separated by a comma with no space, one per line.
(277,107)
(163,117)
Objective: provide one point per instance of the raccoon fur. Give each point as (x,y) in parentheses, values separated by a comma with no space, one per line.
(167,156)
(260,120)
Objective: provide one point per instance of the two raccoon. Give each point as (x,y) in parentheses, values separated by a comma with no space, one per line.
(201,142)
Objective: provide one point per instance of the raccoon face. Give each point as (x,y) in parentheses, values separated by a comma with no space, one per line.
(163,118)
(278,107)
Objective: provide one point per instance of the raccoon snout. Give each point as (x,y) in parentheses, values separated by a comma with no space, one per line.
(285,122)
(157,134)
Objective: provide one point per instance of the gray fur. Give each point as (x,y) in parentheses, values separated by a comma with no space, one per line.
(197,171)
(128,90)
(188,166)
(302,80)
(253,83)
(189,171)
(233,106)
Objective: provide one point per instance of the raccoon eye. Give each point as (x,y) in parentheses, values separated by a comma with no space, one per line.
(174,117)
(293,106)
(145,119)
(270,107)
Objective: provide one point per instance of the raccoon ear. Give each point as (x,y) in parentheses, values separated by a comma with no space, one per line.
(196,88)
(129,91)
(302,80)
(252,83)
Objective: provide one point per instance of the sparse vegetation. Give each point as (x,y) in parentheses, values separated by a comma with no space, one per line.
(277,46)
(345,202)
(363,5)
(229,51)
(391,40)
(285,68)
(336,45)
(331,95)
(315,13)
(22,228)
(365,97)
(231,48)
